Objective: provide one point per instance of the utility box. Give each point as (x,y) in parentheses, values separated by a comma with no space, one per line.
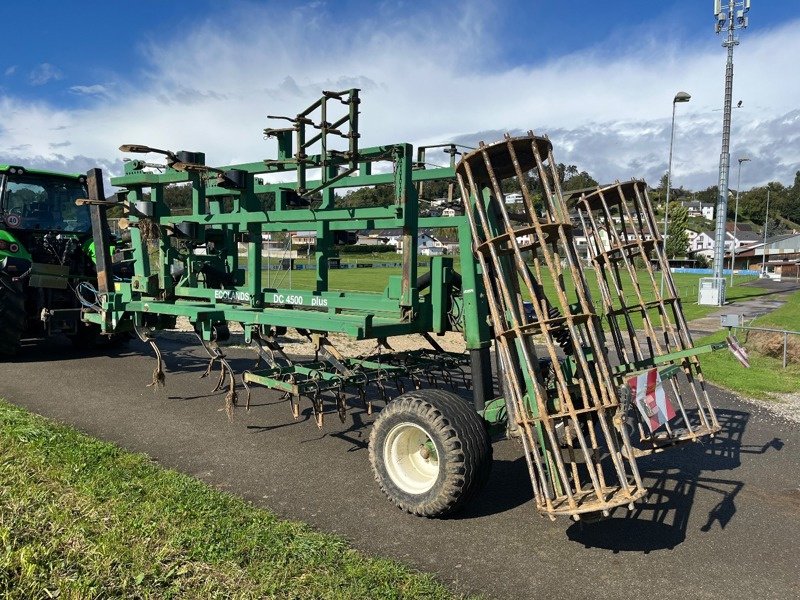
(730,320)
(712,291)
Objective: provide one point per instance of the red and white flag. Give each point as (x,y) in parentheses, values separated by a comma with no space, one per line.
(650,398)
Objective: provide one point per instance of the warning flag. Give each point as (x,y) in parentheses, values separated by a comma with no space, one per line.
(650,398)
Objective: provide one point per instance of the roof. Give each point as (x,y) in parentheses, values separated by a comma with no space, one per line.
(746,236)
(740,227)
(5,168)
(779,238)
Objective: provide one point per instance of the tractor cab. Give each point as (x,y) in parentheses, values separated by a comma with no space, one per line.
(41,201)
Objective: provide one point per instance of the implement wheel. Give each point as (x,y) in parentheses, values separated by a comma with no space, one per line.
(12,315)
(430,452)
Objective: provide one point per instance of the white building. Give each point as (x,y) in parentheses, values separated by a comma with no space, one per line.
(696,208)
(702,243)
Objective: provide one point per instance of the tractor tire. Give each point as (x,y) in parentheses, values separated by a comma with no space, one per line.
(12,316)
(430,452)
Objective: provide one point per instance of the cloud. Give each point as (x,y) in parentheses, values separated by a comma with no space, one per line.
(44,73)
(607,109)
(90,90)
(10,70)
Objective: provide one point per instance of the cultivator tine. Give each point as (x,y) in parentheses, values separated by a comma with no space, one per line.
(294,405)
(578,461)
(159,375)
(246,387)
(225,370)
(620,224)
(269,350)
(319,410)
(341,405)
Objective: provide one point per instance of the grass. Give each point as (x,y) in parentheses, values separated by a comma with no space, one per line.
(375,280)
(785,317)
(766,375)
(81,518)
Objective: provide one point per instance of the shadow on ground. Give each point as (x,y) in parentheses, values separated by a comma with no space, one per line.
(674,479)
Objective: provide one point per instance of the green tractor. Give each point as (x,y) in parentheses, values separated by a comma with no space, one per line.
(47,267)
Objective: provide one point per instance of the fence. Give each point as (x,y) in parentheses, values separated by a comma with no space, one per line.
(731,322)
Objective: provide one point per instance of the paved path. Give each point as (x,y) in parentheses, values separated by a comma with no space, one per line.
(747,308)
(722,521)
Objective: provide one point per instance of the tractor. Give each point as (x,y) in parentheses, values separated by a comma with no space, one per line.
(46,257)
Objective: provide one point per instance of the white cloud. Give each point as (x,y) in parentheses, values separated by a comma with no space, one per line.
(90,90)
(10,70)
(43,74)
(609,114)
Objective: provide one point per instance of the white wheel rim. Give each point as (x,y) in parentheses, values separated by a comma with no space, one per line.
(409,460)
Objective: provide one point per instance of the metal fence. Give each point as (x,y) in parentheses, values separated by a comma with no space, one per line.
(734,322)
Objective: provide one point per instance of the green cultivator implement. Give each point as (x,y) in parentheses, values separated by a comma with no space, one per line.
(585,384)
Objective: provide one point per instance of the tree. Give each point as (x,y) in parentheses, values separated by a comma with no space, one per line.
(579,181)
(708,195)
(677,238)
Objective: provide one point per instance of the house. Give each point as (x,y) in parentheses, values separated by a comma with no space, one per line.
(780,256)
(696,208)
(306,239)
(450,245)
(425,241)
(703,243)
(372,239)
(393,237)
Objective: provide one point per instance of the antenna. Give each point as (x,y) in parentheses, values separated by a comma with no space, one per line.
(731,15)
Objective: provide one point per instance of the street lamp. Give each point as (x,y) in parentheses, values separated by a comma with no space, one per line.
(679,97)
(764,250)
(736,215)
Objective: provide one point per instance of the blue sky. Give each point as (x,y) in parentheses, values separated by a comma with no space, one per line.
(597,77)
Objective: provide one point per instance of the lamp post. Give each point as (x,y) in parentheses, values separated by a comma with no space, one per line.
(679,97)
(736,216)
(764,249)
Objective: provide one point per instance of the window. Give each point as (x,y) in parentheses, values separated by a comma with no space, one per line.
(43,202)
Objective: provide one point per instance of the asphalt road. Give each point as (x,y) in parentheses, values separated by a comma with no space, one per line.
(722,521)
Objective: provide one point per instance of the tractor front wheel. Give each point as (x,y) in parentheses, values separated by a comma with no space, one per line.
(12,315)
(430,452)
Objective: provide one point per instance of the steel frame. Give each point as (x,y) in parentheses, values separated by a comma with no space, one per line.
(562,395)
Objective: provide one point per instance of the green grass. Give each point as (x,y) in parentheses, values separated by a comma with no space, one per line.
(785,317)
(81,518)
(738,292)
(375,280)
(766,375)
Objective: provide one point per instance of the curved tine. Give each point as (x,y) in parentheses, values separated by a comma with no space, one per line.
(225,369)
(246,387)
(210,366)
(159,378)
(231,397)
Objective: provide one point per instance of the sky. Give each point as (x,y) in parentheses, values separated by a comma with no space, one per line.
(78,79)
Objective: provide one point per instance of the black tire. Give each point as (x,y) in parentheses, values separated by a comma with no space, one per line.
(433,485)
(12,316)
